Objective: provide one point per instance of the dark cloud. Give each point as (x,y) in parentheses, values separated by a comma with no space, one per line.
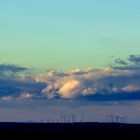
(120,61)
(131,67)
(17,87)
(132,63)
(113,97)
(10,71)
(134,59)
(12,68)
(11,84)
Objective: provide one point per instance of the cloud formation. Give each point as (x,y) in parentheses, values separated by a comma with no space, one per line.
(12,68)
(132,63)
(131,88)
(91,83)
(70,89)
(121,61)
(14,83)
(134,59)
(88,82)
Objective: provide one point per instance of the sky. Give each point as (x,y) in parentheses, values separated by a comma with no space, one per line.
(68,34)
(69,57)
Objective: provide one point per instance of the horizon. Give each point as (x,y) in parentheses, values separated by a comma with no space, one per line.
(69,57)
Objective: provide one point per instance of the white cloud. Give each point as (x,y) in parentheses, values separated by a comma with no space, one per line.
(89,91)
(70,89)
(75,83)
(131,88)
(51,90)
(25,96)
(6,98)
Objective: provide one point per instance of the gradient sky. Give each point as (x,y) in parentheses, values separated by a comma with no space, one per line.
(67,34)
(57,35)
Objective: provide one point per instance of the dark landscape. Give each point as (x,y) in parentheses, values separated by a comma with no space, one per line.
(67,130)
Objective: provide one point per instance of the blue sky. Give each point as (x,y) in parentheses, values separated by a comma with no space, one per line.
(60,34)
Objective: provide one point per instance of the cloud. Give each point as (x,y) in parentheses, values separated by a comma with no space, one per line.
(10,71)
(120,61)
(13,68)
(131,88)
(14,87)
(130,67)
(134,59)
(6,98)
(70,89)
(90,83)
(51,90)
(5,68)
(25,96)
(132,63)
